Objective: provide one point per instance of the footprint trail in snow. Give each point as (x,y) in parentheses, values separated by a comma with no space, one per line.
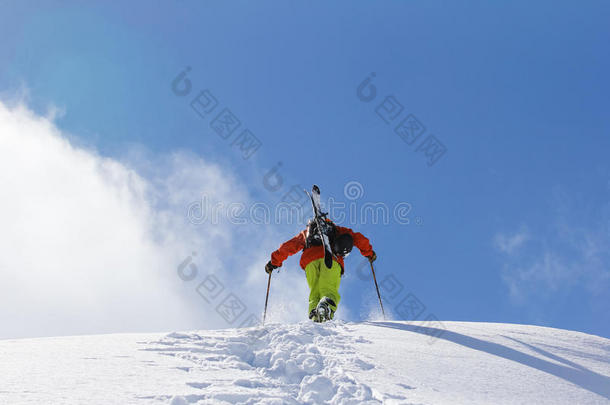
(302,363)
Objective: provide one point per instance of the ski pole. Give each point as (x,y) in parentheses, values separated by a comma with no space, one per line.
(377,287)
(267,298)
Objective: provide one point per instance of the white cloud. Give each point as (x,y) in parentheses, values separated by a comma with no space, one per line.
(570,255)
(91,244)
(508,243)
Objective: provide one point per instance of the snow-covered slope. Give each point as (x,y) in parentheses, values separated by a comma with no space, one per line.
(336,363)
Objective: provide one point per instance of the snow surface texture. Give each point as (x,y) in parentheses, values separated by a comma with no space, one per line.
(334,363)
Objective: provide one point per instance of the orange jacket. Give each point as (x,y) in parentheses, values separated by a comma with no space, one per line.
(312,253)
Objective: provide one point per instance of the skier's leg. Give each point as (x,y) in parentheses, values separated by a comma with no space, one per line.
(312,272)
(328,284)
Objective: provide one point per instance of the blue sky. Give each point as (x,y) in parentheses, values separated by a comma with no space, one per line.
(515,216)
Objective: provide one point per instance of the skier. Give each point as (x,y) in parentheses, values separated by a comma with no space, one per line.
(323,281)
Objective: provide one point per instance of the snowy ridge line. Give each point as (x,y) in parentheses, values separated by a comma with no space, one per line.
(389,362)
(294,364)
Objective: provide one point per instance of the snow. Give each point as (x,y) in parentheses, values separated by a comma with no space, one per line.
(334,363)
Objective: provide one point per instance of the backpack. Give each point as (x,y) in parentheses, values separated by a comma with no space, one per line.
(312,237)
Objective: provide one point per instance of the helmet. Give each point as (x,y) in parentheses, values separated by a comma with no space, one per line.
(343,244)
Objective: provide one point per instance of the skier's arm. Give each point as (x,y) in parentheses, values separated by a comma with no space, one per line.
(360,241)
(288,248)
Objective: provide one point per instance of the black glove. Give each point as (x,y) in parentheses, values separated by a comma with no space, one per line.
(270,267)
(372,257)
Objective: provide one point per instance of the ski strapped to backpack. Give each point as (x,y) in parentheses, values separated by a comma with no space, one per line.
(322,228)
(313,237)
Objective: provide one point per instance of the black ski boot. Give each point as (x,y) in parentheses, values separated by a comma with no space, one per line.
(324,312)
(313,315)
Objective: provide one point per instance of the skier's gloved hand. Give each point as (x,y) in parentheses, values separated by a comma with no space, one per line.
(372,257)
(270,267)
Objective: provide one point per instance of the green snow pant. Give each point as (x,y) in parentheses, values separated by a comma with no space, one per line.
(323,282)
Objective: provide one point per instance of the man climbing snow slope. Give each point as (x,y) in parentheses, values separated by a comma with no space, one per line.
(323,281)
